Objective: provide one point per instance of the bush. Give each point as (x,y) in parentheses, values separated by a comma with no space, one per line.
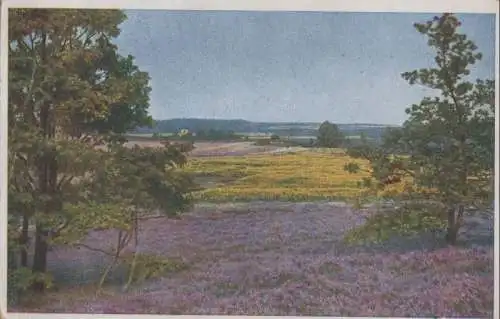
(20,280)
(262,142)
(146,266)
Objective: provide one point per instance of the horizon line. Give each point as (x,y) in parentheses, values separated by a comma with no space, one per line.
(271,122)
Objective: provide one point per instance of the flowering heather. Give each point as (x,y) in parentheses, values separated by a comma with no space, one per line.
(282,259)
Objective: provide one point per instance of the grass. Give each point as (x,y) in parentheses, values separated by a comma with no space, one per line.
(314,175)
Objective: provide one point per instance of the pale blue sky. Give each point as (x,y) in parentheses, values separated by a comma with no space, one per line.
(287,66)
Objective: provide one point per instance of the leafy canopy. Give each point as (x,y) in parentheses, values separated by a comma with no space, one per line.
(71,98)
(444,151)
(329,135)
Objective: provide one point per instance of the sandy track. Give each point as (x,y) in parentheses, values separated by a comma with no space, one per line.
(287,259)
(216,148)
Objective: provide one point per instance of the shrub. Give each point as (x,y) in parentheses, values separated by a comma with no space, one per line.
(262,142)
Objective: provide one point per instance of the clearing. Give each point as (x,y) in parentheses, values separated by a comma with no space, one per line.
(278,258)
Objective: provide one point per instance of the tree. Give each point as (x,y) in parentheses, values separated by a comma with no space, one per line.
(443,156)
(275,137)
(69,92)
(131,111)
(329,135)
(201,134)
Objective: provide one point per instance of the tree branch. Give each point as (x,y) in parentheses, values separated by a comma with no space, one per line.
(94,249)
(64,180)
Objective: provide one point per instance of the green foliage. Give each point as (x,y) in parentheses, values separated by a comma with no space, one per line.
(146,266)
(329,135)
(22,279)
(445,149)
(275,137)
(352,167)
(216,135)
(144,178)
(76,220)
(407,220)
(71,98)
(263,142)
(131,110)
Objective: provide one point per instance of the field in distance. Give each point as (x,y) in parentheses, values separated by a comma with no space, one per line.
(300,175)
(242,171)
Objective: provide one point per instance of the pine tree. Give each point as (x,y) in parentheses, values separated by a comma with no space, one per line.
(444,152)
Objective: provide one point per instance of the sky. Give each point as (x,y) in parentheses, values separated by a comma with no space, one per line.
(288,66)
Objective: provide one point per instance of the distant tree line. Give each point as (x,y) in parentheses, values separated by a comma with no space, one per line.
(216,135)
(372,131)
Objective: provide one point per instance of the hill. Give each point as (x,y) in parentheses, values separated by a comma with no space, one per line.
(243,126)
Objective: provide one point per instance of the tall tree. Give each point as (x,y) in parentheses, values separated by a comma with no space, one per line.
(70,91)
(329,135)
(444,153)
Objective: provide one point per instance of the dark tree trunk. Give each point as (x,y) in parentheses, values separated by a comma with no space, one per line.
(40,257)
(24,241)
(454,223)
(452,235)
(41,247)
(48,181)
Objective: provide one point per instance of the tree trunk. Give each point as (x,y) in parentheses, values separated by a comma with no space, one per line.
(48,181)
(40,257)
(24,241)
(451,235)
(41,246)
(454,223)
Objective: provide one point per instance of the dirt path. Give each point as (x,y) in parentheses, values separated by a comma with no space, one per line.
(204,149)
(288,259)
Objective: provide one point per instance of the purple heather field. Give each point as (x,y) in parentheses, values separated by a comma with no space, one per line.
(272,258)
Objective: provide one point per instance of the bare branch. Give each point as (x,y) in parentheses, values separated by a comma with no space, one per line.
(65,180)
(94,249)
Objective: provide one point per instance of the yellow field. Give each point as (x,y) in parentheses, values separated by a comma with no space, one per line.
(291,177)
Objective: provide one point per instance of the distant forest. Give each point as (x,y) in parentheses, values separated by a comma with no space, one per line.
(241,126)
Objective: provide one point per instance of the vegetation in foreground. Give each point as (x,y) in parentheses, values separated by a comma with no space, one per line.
(70,91)
(280,259)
